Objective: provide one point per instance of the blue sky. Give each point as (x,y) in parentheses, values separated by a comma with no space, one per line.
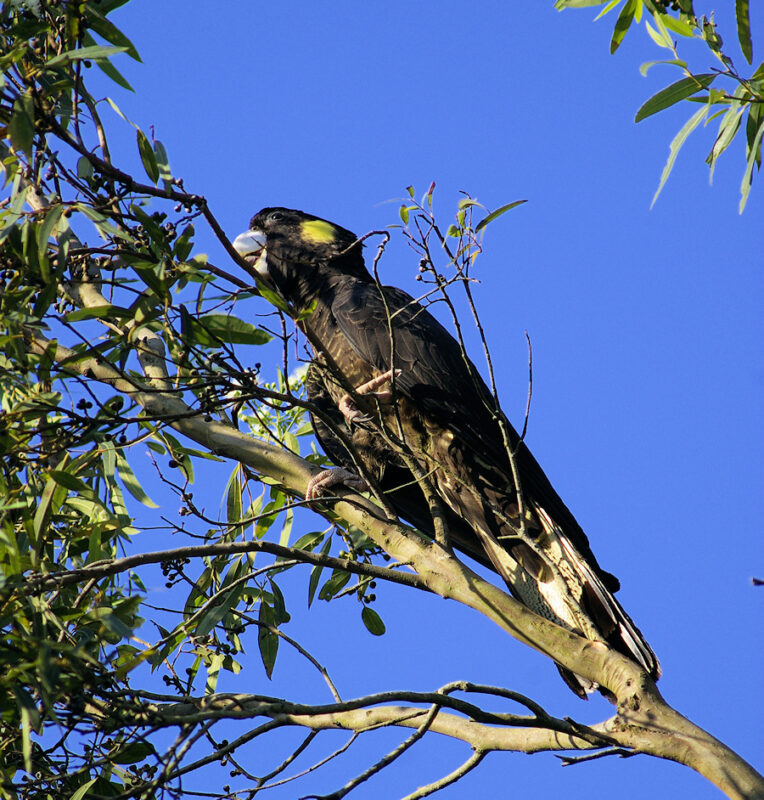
(646,325)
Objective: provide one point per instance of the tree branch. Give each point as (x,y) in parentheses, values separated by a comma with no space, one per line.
(643,716)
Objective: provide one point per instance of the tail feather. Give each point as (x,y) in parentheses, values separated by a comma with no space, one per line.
(614,624)
(569,591)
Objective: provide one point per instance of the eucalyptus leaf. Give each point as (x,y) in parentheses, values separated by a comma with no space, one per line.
(227,328)
(495,214)
(147,156)
(674,93)
(743,17)
(93,53)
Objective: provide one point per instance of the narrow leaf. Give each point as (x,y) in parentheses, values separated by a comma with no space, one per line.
(648,64)
(69,481)
(131,483)
(113,73)
(608,8)
(99,312)
(728,129)
(163,162)
(677,25)
(48,228)
(622,24)
(147,156)
(83,790)
(562,4)
(43,508)
(267,641)
(659,38)
(315,573)
(94,53)
(105,28)
(742,13)
(674,93)
(226,328)
(494,214)
(676,145)
(753,153)
(233,501)
(21,126)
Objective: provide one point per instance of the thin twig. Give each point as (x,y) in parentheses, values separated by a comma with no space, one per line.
(452,777)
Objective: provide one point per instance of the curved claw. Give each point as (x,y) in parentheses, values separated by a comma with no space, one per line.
(327,478)
(348,408)
(351,412)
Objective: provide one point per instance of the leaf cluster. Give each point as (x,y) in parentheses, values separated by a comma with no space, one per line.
(726,95)
(98,272)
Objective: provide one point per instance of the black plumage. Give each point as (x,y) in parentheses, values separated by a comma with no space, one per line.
(435,420)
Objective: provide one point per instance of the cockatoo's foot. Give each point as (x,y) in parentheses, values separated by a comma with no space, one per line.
(327,478)
(347,406)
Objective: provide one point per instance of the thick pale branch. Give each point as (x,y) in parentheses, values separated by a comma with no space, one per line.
(481,736)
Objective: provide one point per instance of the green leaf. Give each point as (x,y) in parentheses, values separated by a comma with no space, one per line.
(130,482)
(226,328)
(94,53)
(728,128)
(69,481)
(677,25)
(107,67)
(752,123)
(273,298)
(117,111)
(674,93)
(648,64)
(212,616)
(267,641)
(99,312)
(132,753)
(83,790)
(48,229)
(494,214)
(308,311)
(753,153)
(372,621)
(113,73)
(21,126)
(676,145)
(562,4)
(622,24)
(50,500)
(147,156)
(184,243)
(233,500)
(280,613)
(315,573)
(662,39)
(309,540)
(163,162)
(106,29)
(338,581)
(607,9)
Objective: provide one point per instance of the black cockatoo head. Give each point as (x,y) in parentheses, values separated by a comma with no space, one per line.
(299,252)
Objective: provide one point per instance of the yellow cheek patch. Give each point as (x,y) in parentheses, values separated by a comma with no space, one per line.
(318,231)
